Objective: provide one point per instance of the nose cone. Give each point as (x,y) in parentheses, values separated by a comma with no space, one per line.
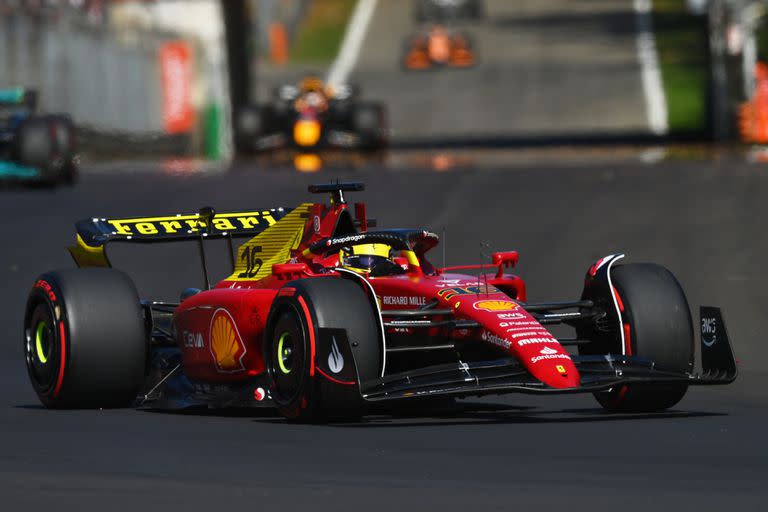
(509,327)
(553,367)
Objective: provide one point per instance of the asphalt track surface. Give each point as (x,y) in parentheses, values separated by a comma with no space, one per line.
(703,220)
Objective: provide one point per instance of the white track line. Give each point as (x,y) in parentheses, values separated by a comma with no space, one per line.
(353,40)
(655,100)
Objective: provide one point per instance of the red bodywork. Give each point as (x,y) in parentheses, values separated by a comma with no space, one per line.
(220,331)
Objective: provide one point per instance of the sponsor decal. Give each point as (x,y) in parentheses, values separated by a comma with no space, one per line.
(449,293)
(192,339)
(389,300)
(448,283)
(226,345)
(495,305)
(259,394)
(184,224)
(548,354)
(46,287)
(522,326)
(495,340)
(527,332)
(335,358)
(534,341)
(512,316)
(344,239)
(316,223)
(708,331)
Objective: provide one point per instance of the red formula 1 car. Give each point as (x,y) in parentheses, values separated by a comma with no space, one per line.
(322,316)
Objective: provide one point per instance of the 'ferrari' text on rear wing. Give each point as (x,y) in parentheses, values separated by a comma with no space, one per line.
(94,234)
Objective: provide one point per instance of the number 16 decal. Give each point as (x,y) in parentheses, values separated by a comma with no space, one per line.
(252,263)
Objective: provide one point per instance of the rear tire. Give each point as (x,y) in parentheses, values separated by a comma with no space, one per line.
(660,330)
(47,143)
(65,147)
(84,339)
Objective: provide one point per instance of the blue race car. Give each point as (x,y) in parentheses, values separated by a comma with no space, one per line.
(34,148)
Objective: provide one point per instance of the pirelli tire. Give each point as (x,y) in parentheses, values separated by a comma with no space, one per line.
(47,143)
(304,317)
(36,148)
(657,326)
(65,147)
(369,122)
(85,342)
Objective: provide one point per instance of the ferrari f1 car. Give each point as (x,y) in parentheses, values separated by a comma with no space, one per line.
(35,148)
(438,47)
(323,316)
(313,116)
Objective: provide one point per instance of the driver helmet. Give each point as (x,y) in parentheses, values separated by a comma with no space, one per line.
(315,100)
(362,258)
(311,83)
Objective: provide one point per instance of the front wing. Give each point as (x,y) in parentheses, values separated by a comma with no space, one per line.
(598,373)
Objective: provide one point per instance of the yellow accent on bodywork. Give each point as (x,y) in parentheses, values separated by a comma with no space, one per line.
(171,224)
(412,259)
(271,246)
(88,256)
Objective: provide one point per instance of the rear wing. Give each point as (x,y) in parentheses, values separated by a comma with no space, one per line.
(93,235)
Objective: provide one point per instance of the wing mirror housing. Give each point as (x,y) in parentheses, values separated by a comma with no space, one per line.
(504,260)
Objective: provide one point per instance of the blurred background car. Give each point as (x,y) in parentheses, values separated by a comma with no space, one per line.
(33,147)
(310,116)
(438,46)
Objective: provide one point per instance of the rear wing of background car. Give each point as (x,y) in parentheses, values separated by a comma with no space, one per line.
(93,235)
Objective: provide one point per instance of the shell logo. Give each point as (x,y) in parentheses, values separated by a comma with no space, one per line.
(227,346)
(495,305)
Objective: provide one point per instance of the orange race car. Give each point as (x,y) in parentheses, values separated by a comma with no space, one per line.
(439,47)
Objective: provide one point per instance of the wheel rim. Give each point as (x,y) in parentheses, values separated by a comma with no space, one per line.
(41,348)
(42,342)
(285,353)
(288,359)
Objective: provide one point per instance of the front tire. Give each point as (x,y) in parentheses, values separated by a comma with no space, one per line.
(84,339)
(657,326)
(301,323)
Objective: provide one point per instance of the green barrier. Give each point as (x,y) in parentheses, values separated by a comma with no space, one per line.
(212,132)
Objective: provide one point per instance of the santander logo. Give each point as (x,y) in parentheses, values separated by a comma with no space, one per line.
(548,351)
